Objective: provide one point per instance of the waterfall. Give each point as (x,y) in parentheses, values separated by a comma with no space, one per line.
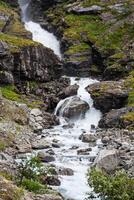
(72,187)
(38,33)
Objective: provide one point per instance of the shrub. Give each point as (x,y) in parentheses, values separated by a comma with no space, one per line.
(30,169)
(117,187)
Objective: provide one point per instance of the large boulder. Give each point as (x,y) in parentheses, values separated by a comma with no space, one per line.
(119,118)
(107,160)
(108,95)
(73,107)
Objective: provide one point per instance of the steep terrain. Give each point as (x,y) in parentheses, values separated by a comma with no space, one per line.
(97,40)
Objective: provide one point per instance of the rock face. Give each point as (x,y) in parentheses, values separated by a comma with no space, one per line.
(33,62)
(108,95)
(73,107)
(107,160)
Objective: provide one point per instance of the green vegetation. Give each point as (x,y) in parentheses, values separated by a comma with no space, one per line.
(9,93)
(116,187)
(29,175)
(78,48)
(15,42)
(33,186)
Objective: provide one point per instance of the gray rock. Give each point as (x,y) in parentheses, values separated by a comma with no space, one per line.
(84,151)
(40,144)
(71,90)
(36,112)
(45,157)
(73,107)
(65,172)
(107,160)
(86,10)
(51,180)
(89,138)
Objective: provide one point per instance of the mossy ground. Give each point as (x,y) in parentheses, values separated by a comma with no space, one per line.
(13,32)
(10,92)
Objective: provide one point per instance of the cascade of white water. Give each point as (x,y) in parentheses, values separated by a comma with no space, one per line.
(39,34)
(72,187)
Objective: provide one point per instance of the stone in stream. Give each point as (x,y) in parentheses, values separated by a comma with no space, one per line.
(65,172)
(40,144)
(88,138)
(71,90)
(73,107)
(51,180)
(45,157)
(84,151)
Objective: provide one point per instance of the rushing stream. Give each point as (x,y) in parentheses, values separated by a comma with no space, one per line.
(72,187)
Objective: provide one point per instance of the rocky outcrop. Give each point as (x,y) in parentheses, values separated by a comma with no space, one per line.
(40,120)
(33,62)
(119,118)
(73,107)
(108,95)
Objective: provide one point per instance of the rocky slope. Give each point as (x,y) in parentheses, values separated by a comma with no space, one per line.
(96,40)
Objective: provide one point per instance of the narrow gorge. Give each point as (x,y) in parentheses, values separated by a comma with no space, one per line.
(66,100)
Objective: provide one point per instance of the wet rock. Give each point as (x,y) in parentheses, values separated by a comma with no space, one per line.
(65,172)
(88,138)
(51,180)
(107,160)
(105,139)
(84,151)
(45,157)
(40,144)
(50,151)
(71,90)
(108,95)
(55,145)
(73,107)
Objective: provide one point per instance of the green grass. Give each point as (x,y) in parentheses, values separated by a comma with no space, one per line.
(9,93)
(33,186)
(78,48)
(16,42)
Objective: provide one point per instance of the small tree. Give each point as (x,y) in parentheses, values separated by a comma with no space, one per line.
(117,187)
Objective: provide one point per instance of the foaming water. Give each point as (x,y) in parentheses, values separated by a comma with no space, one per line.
(75,187)
(38,33)
(72,187)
